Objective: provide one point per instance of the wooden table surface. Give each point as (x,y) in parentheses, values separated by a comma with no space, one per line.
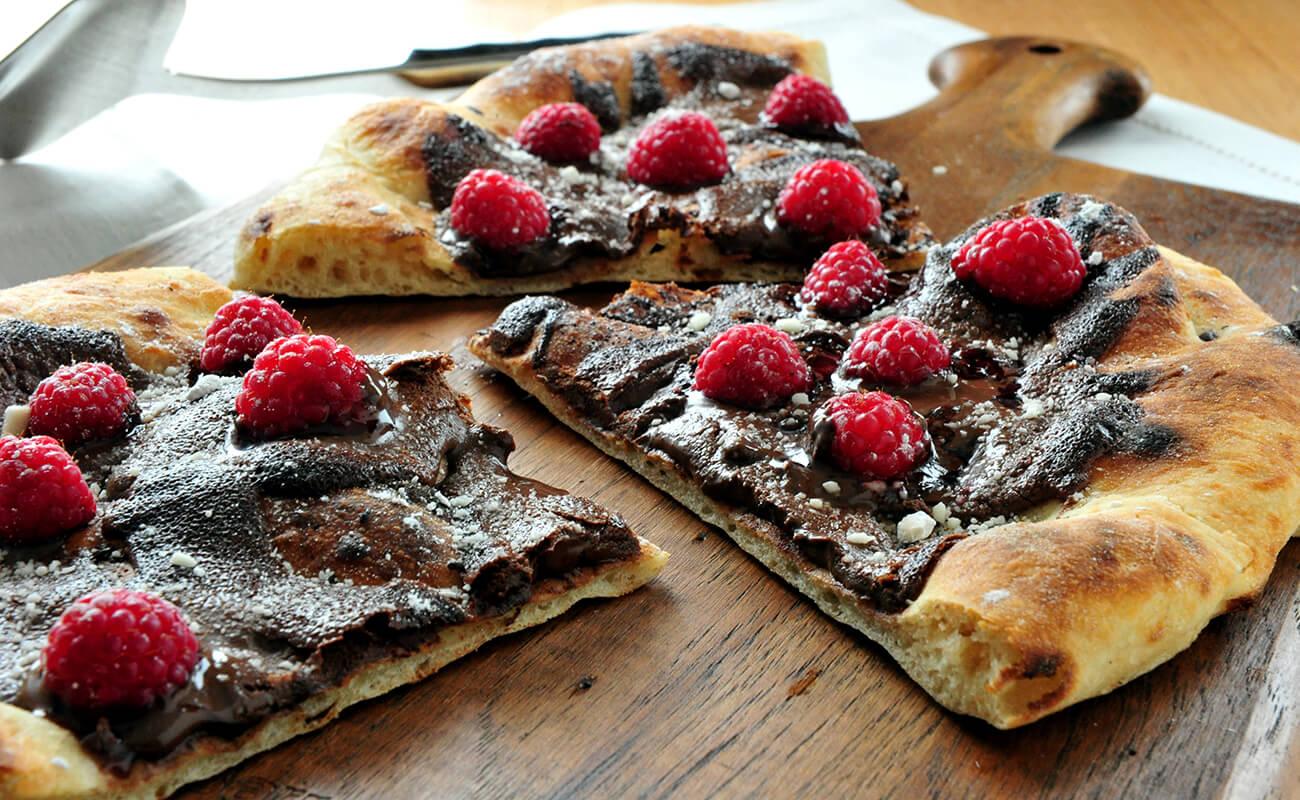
(1239,58)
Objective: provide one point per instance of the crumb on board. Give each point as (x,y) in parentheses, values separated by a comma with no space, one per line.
(802,685)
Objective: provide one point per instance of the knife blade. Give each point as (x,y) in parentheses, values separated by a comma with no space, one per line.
(94,53)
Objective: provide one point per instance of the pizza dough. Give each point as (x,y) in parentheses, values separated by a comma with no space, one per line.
(318,571)
(371,217)
(1132,476)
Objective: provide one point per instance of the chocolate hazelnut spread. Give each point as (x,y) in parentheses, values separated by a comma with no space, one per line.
(296,560)
(1015,423)
(597,211)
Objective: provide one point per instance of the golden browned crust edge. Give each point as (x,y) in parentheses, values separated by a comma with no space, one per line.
(41,761)
(160,313)
(319,238)
(1028,618)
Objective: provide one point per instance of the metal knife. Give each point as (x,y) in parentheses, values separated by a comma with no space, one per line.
(95,53)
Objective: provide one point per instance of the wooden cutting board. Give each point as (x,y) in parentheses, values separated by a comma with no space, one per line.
(718,679)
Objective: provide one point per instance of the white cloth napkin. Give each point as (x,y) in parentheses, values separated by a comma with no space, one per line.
(155,159)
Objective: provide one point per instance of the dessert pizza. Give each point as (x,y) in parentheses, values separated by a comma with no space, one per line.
(1032,471)
(686,154)
(204,555)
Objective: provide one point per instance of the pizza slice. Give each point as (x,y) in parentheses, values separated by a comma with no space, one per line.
(1032,472)
(201,562)
(661,156)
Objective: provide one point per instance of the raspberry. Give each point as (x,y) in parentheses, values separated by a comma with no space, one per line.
(875,435)
(1028,260)
(118,649)
(499,211)
(801,102)
(42,492)
(846,281)
(898,350)
(560,132)
(82,402)
(752,365)
(301,381)
(829,199)
(241,328)
(678,151)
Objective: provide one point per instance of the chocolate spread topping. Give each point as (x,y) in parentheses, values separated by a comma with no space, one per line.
(1017,421)
(597,211)
(296,560)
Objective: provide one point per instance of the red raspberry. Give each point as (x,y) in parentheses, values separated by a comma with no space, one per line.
(500,211)
(82,402)
(801,102)
(42,492)
(829,199)
(678,151)
(560,132)
(846,281)
(1028,260)
(875,435)
(752,365)
(898,350)
(118,649)
(301,381)
(241,328)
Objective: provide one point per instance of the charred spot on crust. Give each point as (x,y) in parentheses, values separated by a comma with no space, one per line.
(261,224)
(1041,666)
(1165,294)
(1149,440)
(1094,327)
(647,89)
(1048,205)
(599,98)
(703,62)
(1128,266)
(1127,383)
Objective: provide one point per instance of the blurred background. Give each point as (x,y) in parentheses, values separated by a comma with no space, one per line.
(119,118)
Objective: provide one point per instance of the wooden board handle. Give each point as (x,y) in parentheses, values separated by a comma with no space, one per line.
(1036,90)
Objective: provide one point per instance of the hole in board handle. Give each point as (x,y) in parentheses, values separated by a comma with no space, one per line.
(1045,49)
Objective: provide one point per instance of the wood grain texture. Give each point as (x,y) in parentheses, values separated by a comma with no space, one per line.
(1238,58)
(719,680)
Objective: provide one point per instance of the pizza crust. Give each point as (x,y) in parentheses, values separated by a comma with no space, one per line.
(160,313)
(1028,618)
(41,760)
(322,236)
